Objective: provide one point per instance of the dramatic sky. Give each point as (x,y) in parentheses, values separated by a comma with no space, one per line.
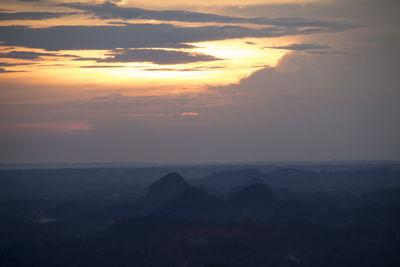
(199,81)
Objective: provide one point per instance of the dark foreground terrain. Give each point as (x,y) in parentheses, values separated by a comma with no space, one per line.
(216,216)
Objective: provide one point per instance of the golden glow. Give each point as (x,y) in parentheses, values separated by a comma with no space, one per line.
(239,58)
(51,75)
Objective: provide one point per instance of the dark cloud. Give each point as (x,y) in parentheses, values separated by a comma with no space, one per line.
(300,47)
(333,53)
(157,56)
(3,70)
(183,70)
(313,107)
(29,55)
(24,55)
(32,15)
(134,35)
(86,59)
(109,10)
(101,66)
(367,12)
(7,71)
(4,64)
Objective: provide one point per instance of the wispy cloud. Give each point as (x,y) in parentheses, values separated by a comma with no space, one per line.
(102,66)
(109,10)
(55,126)
(29,55)
(2,70)
(300,47)
(190,114)
(6,64)
(32,15)
(145,35)
(160,114)
(147,115)
(157,56)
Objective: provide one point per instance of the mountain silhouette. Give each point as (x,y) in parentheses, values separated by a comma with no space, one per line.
(163,189)
(253,195)
(192,203)
(225,180)
(297,180)
(253,202)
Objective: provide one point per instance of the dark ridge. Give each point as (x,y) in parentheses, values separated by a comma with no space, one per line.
(225,180)
(192,203)
(354,181)
(165,188)
(252,196)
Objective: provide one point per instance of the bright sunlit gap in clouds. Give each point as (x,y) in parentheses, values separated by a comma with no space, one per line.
(234,60)
(204,63)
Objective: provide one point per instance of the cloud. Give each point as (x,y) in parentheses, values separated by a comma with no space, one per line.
(318,107)
(29,0)
(300,47)
(102,66)
(157,56)
(30,55)
(141,35)
(4,64)
(32,15)
(366,12)
(111,37)
(113,98)
(148,115)
(56,126)
(2,70)
(190,114)
(184,69)
(345,53)
(165,102)
(150,69)
(311,106)
(109,10)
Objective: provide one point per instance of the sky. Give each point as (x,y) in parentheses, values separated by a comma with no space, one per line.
(183,81)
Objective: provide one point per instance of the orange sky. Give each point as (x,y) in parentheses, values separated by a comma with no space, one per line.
(236,58)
